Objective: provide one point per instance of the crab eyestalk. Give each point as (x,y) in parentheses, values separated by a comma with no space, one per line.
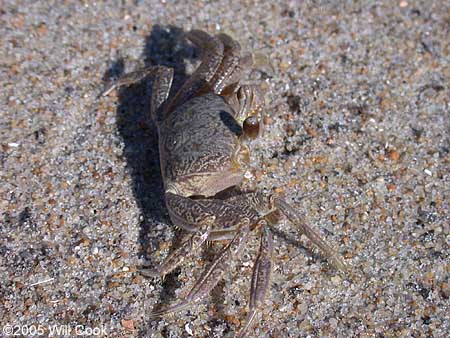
(251,127)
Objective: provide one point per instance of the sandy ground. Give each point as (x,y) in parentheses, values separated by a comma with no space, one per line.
(357,139)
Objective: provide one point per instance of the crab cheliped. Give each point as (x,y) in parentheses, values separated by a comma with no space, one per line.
(204,131)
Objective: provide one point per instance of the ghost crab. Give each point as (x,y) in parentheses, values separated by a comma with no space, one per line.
(203,130)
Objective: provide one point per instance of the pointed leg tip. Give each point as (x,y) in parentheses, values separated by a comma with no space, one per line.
(340,265)
(347,271)
(108,90)
(169,310)
(156,314)
(161,312)
(248,322)
(151,273)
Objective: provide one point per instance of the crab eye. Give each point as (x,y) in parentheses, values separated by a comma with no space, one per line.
(251,127)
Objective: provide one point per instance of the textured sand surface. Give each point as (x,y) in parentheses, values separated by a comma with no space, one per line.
(357,139)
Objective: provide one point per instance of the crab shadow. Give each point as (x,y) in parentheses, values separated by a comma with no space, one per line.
(164,46)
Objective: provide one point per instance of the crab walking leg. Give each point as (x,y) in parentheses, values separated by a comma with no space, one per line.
(214,273)
(314,237)
(187,213)
(179,256)
(160,92)
(262,271)
(269,203)
(230,84)
(226,80)
(231,60)
(136,76)
(187,249)
(212,48)
(224,234)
